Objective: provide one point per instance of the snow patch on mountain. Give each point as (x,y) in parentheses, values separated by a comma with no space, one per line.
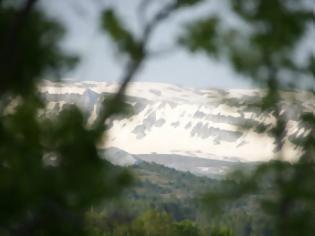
(171,120)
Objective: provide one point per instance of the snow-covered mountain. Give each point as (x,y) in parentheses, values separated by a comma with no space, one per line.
(182,122)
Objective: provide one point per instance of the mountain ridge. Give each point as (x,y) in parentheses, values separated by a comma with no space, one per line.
(171,120)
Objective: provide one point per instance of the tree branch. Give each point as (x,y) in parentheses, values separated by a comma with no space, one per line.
(142,9)
(134,65)
(162,52)
(162,15)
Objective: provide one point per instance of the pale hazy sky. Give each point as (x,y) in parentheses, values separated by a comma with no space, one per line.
(100,62)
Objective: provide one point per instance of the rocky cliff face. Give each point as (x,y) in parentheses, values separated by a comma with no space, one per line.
(170,120)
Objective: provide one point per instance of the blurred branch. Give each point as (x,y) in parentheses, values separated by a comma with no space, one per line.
(142,10)
(135,64)
(162,15)
(162,52)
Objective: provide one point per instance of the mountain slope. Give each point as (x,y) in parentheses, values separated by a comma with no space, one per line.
(171,120)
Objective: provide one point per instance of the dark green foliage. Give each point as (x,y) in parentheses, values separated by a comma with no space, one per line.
(263,52)
(149,222)
(29,49)
(50,169)
(153,223)
(187,3)
(221,231)
(278,24)
(266,46)
(168,190)
(176,194)
(204,39)
(187,228)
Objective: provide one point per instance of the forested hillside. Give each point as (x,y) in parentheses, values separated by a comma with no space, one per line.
(161,194)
